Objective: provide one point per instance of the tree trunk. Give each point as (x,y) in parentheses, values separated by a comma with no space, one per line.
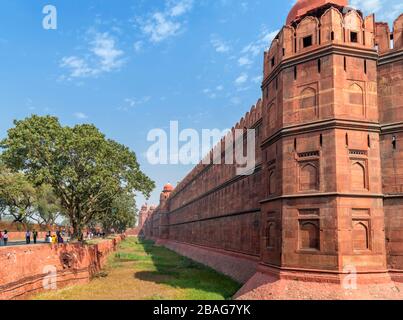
(77,230)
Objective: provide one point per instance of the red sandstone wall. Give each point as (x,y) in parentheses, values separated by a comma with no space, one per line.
(23,268)
(390,77)
(21,236)
(214,207)
(317,193)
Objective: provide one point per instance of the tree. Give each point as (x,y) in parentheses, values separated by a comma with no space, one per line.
(47,206)
(121,215)
(17,195)
(86,170)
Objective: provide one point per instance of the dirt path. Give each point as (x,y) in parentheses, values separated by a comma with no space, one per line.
(142,271)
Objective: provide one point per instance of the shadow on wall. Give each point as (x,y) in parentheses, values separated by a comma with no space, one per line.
(176,271)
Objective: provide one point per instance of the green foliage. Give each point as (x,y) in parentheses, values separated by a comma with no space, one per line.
(86,171)
(121,215)
(47,208)
(17,195)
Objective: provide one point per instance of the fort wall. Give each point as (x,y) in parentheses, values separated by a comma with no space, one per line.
(390,100)
(327,191)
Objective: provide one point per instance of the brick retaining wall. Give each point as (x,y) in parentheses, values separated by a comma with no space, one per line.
(25,268)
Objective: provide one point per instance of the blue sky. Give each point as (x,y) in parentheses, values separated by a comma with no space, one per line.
(130,66)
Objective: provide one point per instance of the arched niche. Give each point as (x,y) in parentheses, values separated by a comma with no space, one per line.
(356,99)
(272,116)
(360,236)
(309,235)
(308,104)
(271,235)
(309,177)
(358,176)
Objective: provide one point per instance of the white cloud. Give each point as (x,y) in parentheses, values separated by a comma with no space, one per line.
(165,24)
(181,8)
(263,42)
(78,67)
(251,51)
(130,103)
(219,45)
(104,48)
(368,6)
(137,46)
(159,28)
(244,61)
(102,57)
(241,79)
(80,115)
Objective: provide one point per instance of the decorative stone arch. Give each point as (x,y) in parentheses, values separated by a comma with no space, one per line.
(353,23)
(308,104)
(308,177)
(360,236)
(271,235)
(356,99)
(272,56)
(309,26)
(331,26)
(358,176)
(287,40)
(309,235)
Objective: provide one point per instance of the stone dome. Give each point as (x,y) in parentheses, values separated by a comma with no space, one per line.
(168,187)
(303,6)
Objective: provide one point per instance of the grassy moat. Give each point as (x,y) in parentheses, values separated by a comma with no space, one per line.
(139,270)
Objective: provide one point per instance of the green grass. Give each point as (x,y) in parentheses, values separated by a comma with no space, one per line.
(140,270)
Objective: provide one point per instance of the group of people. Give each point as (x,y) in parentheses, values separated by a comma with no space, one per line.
(28,236)
(54,238)
(3,238)
(95,234)
(49,238)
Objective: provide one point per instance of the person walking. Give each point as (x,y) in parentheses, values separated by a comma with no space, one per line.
(60,239)
(48,238)
(5,237)
(28,237)
(35,236)
(1,238)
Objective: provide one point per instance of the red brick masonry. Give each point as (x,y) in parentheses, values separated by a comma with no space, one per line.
(24,269)
(326,195)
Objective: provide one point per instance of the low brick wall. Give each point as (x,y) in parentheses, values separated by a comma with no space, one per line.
(13,236)
(25,269)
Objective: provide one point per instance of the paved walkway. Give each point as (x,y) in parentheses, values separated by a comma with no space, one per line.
(21,243)
(14,243)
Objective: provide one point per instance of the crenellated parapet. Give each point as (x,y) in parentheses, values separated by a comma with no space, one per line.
(387,40)
(249,121)
(325,26)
